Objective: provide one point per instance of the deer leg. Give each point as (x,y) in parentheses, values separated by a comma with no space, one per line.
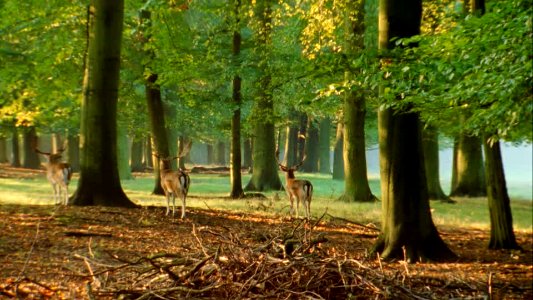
(56,199)
(66,194)
(291,199)
(173,204)
(297,207)
(167,195)
(183,199)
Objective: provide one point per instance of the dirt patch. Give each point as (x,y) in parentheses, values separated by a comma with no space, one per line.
(83,252)
(63,252)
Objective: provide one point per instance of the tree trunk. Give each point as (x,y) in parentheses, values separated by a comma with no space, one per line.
(356,187)
(265,172)
(3,150)
(73,152)
(247,153)
(291,141)
(156,113)
(407,228)
(148,159)
(137,155)
(15,148)
(468,177)
(323,137)
(235,147)
(30,157)
(99,182)
(210,154)
(501,220)
(302,137)
(220,157)
(123,154)
(338,158)
(312,148)
(430,144)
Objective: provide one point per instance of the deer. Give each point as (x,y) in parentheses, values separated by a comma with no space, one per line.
(174,183)
(58,174)
(297,189)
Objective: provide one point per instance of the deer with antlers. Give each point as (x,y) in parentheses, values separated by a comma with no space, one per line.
(174,183)
(58,173)
(297,189)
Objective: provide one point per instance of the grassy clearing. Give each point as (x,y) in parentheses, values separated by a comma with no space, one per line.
(210,191)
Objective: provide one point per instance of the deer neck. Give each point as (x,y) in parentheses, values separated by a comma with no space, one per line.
(289,176)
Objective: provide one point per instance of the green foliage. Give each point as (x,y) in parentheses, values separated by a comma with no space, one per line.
(480,68)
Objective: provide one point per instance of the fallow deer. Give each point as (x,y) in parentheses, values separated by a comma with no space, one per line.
(301,190)
(58,174)
(174,183)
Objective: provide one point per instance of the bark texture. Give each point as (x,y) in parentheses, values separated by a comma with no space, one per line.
(99,182)
(468,175)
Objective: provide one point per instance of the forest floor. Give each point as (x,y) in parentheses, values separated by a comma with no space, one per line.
(63,252)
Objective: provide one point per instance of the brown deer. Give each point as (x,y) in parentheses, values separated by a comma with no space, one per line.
(301,190)
(174,183)
(58,174)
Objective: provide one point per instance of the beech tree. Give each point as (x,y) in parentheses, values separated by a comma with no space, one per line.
(265,171)
(407,228)
(99,182)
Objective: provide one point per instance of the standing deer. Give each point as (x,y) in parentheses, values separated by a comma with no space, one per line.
(58,174)
(301,190)
(174,183)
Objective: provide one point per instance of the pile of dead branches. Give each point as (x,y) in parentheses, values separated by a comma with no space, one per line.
(291,263)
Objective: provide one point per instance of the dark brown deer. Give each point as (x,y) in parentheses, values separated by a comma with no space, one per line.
(58,174)
(297,189)
(174,183)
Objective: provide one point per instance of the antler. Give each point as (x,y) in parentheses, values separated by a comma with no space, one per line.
(295,167)
(34,146)
(184,151)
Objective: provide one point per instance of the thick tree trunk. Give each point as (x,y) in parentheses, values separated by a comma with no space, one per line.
(356,187)
(407,228)
(430,144)
(73,152)
(3,150)
(468,177)
(501,220)
(338,156)
(30,157)
(15,148)
(312,148)
(99,182)
(265,172)
(324,137)
(137,154)
(148,157)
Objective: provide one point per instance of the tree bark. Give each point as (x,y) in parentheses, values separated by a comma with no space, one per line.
(137,154)
(338,157)
(73,151)
(407,228)
(430,144)
(291,141)
(99,182)
(247,153)
(30,157)
(468,177)
(3,150)
(148,159)
(312,148)
(220,157)
(501,219)
(324,149)
(236,191)
(265,173)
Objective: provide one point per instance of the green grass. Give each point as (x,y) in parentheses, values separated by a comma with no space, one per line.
(210,191)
